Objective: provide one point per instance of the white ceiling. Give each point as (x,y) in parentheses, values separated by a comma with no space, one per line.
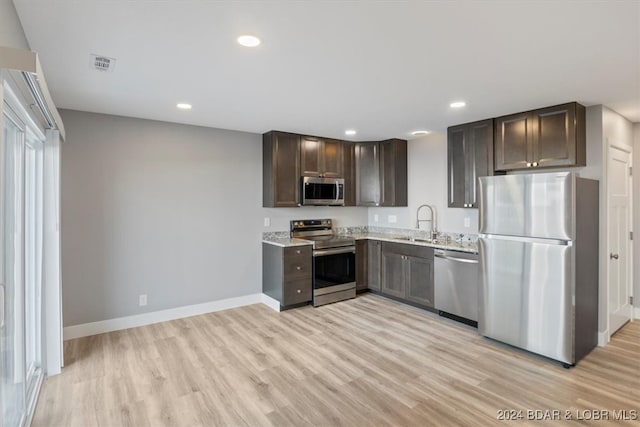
(382,68)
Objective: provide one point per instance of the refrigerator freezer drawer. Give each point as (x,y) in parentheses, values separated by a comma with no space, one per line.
(534,205)
(526,295)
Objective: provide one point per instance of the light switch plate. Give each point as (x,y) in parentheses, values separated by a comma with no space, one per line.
(392,219)
(376,218)
(267,222)
(467,222)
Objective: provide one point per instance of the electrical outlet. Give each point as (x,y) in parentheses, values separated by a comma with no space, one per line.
(267,222)
(142,300)
(376,218)
(392,219)
(467,222)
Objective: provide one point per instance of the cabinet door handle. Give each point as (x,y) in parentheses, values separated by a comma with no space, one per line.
(528,164)
(298,268)
(298,251)
(534,164)
(299,291)
(614,256)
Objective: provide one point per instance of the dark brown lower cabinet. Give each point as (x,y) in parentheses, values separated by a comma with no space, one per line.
(407,272)
(419,280)
(374,249)
(362,259)
(287,274)
(367,265)
(393,277)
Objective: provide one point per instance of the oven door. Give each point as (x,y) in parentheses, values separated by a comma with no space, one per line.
(334,267)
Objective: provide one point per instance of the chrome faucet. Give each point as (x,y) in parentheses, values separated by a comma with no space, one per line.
(433,220)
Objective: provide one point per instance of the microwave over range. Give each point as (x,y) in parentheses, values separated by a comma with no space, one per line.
(322,191)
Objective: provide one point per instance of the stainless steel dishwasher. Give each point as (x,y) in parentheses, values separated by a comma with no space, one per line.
(456,279)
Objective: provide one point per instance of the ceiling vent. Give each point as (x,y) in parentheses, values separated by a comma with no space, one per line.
(103,63)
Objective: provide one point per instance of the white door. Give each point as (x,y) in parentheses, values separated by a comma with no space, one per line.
(619,239)
(21,221)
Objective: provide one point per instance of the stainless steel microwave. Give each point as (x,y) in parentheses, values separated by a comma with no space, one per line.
(322,191)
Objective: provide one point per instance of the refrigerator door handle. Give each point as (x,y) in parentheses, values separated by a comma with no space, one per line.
(527,239)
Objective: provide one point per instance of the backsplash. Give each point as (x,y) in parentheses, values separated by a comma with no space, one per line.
(271,235)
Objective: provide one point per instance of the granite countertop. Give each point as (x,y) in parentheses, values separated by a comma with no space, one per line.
(470,247)
(286,241)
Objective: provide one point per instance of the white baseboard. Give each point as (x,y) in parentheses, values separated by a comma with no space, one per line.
(109,325)
(273,304)
(603,338)
(636,313)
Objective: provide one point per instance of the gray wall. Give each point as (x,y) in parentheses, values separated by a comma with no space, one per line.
(162,209)
(11,32)
(427,183)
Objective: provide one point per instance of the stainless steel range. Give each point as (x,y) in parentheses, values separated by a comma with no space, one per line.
(334,260)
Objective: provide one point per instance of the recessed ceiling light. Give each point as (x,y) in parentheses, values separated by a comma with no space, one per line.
(350,132)
(249,41)
(420,132)
(184,106)
(457,104)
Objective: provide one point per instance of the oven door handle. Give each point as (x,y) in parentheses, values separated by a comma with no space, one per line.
(336,251)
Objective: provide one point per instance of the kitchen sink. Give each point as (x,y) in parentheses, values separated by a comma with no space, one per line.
(418,239)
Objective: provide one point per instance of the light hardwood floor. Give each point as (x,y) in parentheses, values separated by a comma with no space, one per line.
(368,361)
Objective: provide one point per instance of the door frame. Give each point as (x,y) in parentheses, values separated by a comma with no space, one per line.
(609,144)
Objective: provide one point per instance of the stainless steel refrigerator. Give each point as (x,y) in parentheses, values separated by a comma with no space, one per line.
(538,244)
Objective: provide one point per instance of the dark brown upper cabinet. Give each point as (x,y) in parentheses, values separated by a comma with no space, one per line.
(393,172)
(349,172)
(374,173)
(367,155)
(321,157)
(381,173)
(469,156)
(546,137)
(280,169)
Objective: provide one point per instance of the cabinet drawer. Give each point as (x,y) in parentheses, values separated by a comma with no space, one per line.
(297,262)
(297,291)
(303,252)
